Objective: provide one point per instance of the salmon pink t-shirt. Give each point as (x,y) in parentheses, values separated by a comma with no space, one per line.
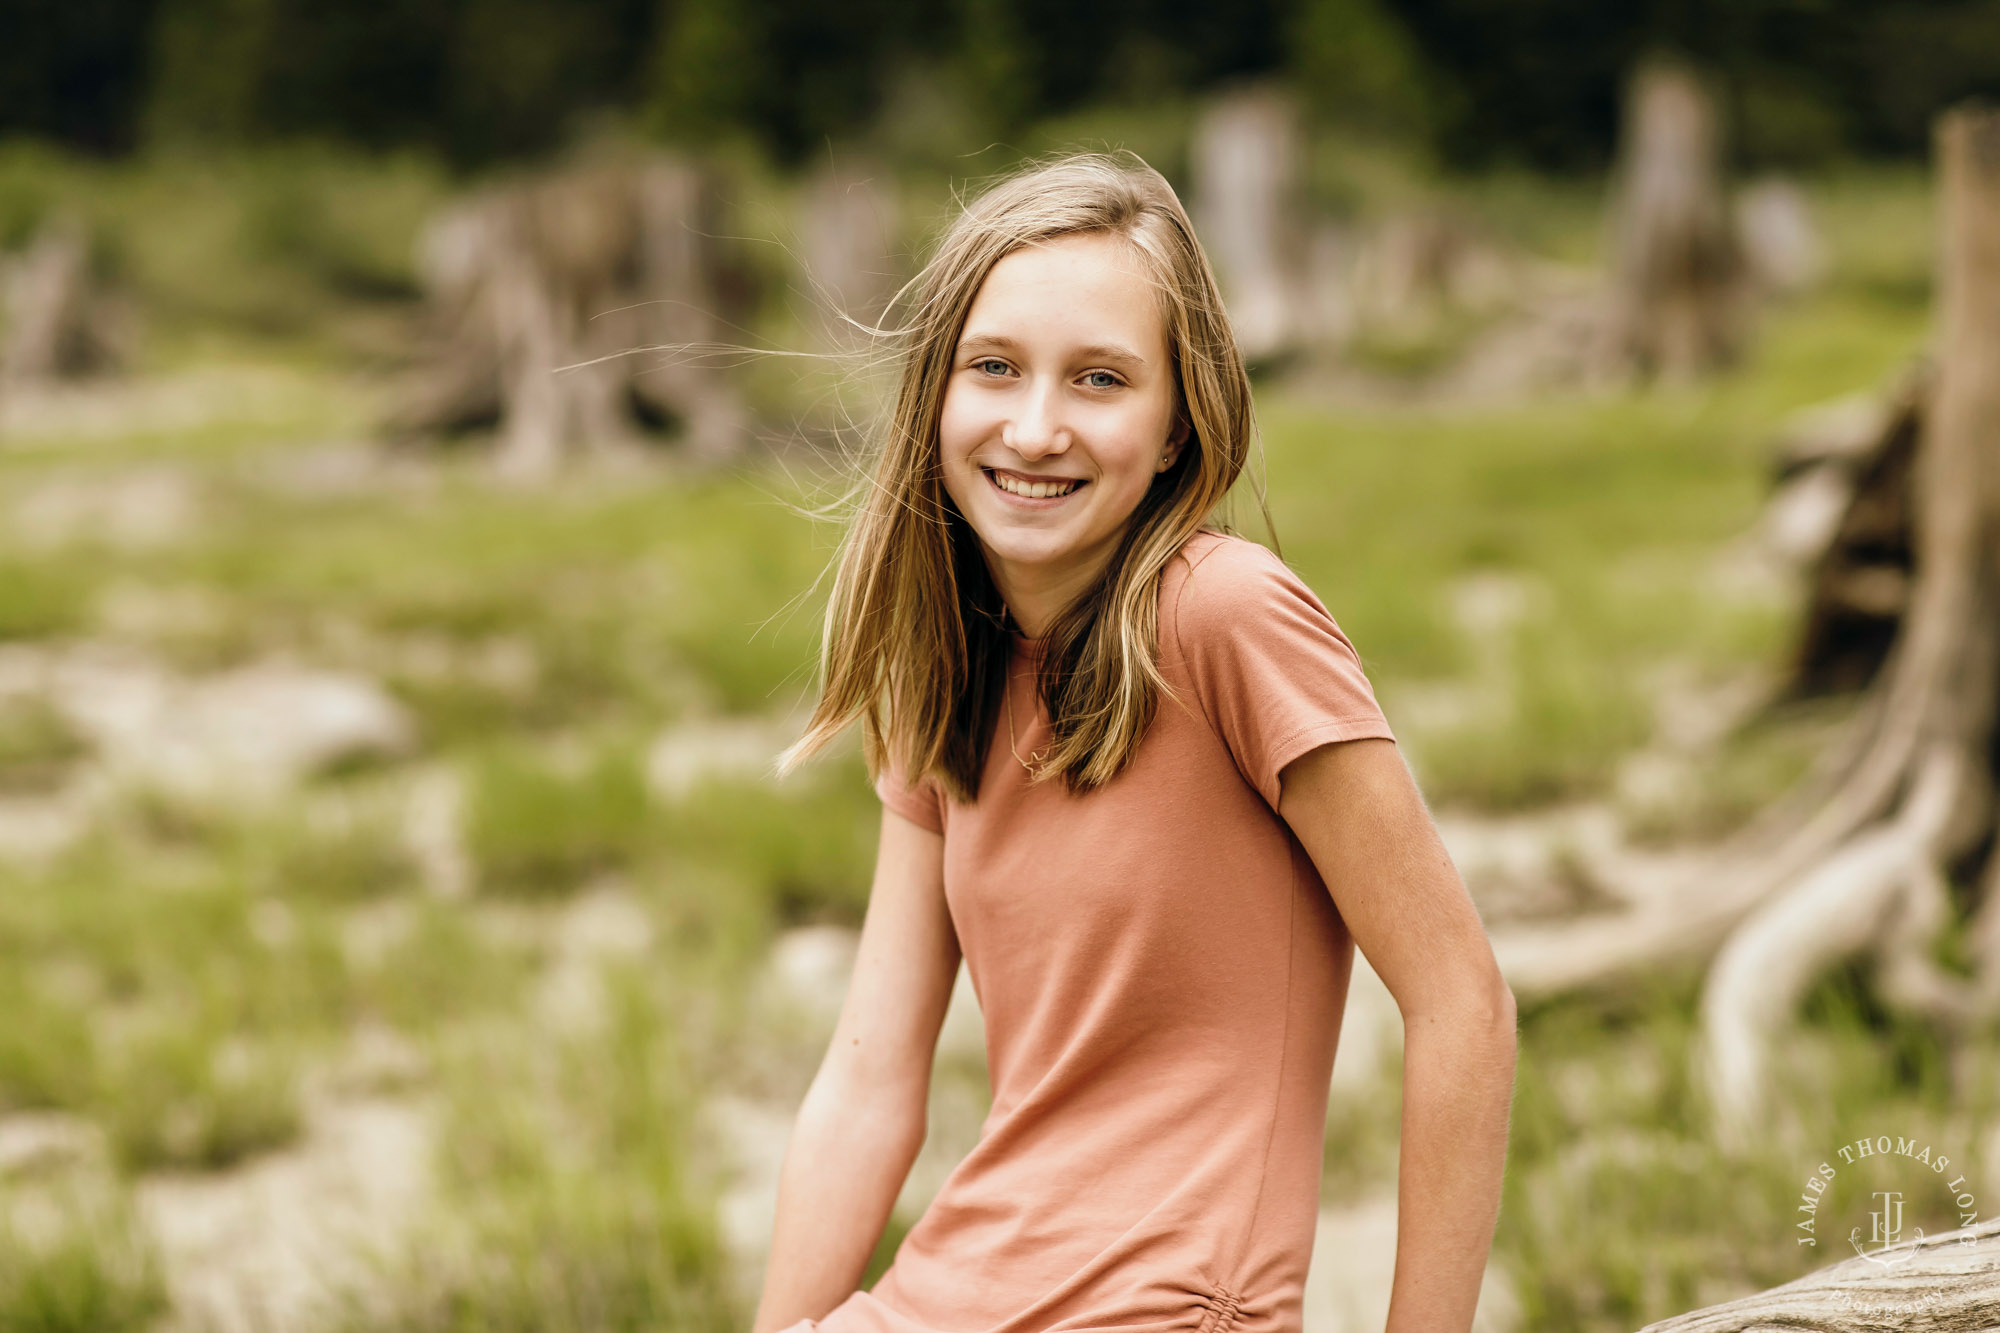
(1162,973)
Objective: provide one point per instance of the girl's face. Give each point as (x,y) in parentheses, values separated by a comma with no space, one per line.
(1059,412)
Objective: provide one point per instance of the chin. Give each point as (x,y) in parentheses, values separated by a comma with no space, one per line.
(1029,548)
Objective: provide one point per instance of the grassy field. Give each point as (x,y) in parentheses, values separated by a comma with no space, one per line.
(182,975)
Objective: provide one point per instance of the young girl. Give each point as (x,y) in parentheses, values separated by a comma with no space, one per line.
(1134,775)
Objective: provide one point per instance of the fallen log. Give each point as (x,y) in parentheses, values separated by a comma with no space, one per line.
(1947,1283)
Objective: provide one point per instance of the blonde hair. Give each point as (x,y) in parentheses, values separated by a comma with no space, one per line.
(915,640)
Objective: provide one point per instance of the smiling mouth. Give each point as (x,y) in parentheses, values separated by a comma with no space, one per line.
(1033,490)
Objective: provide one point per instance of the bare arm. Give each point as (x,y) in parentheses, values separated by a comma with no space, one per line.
(1360,817)
(863,1119)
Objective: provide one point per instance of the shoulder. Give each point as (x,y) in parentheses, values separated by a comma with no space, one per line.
(1220,583)
(1211,561)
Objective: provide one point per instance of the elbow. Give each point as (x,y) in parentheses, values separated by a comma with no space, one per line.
(1481,1008)
(895,1115)
(1506,1015)
(1493,1007)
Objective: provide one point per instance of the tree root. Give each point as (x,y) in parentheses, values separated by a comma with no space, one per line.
(1833,912)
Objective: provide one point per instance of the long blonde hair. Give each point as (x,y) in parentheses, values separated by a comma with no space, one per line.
(915,639)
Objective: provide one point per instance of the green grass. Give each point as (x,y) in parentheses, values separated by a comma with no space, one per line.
(1620,1207)
(37,745)
(1614,504)
(84,1266)
(569,1200)
(174,976)
(38,600)
(537,829)
(162,1012)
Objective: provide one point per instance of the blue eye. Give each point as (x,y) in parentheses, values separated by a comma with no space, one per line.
(987,364)
(1102,379)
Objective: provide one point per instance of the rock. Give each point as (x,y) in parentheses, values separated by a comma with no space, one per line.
(434,832)
(604,922)
(139,508)
(810,967)
(1489,603)
(378,1061)
(39,1143)
(753,1135)
(162,615)
(371,932)
(244,736)
(36,829)
(693,751)
(264,1246)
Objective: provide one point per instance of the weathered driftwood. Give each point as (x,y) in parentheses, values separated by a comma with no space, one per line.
(1678,289)
(573,310)
(1948,1283)
(1861,858)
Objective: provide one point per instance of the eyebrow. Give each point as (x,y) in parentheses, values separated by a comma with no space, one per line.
(1094,352)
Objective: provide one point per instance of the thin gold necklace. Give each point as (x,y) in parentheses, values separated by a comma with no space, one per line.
(1013,746)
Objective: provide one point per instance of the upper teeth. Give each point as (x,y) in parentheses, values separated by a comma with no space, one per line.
(1034,490)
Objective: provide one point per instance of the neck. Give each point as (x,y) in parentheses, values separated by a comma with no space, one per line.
(1037,593)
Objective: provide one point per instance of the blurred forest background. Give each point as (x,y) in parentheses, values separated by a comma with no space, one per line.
(398,926)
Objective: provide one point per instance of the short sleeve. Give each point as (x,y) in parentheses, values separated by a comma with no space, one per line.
(921,803)
(1274,674)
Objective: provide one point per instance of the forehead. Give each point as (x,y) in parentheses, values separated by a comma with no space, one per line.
(1088,287)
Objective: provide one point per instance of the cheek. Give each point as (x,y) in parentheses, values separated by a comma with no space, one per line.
(960,426)
(1136,436)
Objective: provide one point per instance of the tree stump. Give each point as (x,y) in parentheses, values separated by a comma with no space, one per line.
(1918,797)
(573,311)
(1245,160)
(847,248)
(1678,304)
(1890,840)
(59,325)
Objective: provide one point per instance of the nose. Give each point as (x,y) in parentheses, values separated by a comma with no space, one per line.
(1037,428)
